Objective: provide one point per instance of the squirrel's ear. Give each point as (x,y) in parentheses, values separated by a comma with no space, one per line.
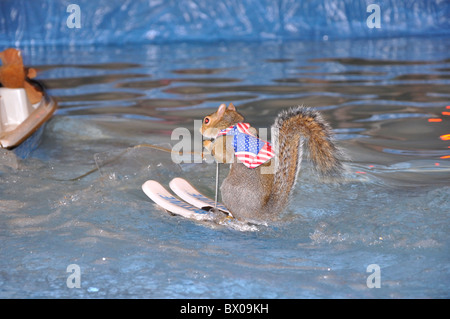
(231,107)
(221,110)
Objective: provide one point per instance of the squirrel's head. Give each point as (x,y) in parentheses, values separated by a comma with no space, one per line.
(221,119)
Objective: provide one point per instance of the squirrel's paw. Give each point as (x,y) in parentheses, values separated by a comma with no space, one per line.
(207,145)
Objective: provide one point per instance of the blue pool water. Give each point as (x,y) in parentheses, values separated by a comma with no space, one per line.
(392,208)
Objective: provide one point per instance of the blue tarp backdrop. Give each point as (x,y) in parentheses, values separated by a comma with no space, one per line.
(32,22)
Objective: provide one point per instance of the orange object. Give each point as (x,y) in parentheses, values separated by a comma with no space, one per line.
(445,113)
(445,156)
(435,120)
(13,74)
(445,137)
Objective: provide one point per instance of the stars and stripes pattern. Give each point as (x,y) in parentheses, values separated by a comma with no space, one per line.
(249,149)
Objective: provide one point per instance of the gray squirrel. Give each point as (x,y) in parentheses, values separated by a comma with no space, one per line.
(261,193)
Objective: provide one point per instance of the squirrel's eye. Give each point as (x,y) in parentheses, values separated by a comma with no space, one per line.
(206,120)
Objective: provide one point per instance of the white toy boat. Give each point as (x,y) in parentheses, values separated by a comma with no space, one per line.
(19,119)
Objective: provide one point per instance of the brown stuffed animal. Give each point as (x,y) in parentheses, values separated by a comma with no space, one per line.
(13,74)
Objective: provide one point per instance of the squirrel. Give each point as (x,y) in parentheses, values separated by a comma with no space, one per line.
(14,75)
(260,193)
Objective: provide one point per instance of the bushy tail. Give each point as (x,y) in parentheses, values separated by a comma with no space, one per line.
(293,128)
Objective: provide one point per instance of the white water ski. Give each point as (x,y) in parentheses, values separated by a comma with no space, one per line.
(161,196)
(166,200)
(188,193)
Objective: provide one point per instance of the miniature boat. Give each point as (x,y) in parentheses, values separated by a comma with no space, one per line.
(19,119)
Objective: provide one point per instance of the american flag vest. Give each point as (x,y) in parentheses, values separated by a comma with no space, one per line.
(249,149)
